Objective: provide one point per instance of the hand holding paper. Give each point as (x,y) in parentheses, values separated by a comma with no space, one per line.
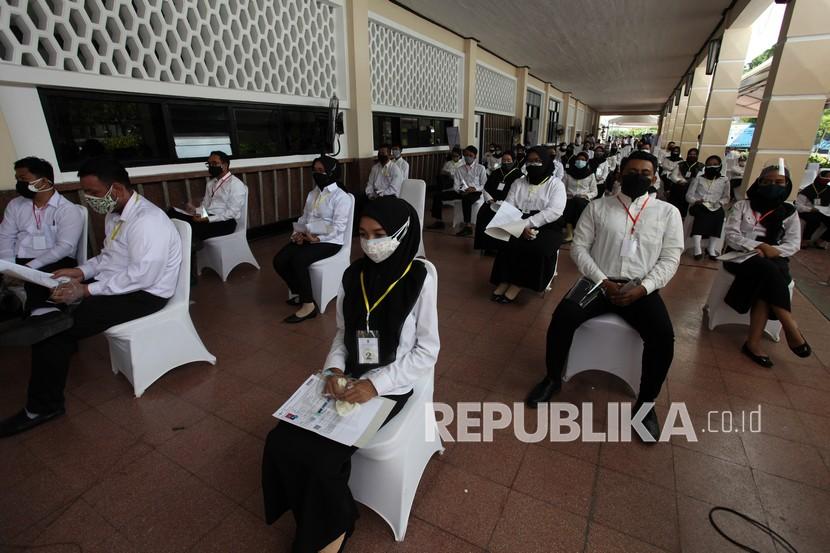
(506,222)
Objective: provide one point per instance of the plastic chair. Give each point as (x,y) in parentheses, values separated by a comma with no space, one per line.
(718,313)
(145,349)
(688,222)
(609,344)
(224,253)
(414,191)
(386,472)
(458,213)
(327,273)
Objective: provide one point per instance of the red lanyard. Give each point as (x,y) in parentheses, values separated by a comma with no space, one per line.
(762,217)
(628,211)
(38,218)
(220,184)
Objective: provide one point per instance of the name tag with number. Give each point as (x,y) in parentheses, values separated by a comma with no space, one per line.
(368,350)
(500,187)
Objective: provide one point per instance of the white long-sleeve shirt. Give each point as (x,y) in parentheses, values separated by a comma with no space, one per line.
(403,167)
(742,230)
(142,251)
(547,198)
(602,170)
(605,224)
(714,193)
(61,225)
(804,205)
(384,180)
(473,175)
(585,188)
(224,198)
(418,345)
(558,170)
(328,209)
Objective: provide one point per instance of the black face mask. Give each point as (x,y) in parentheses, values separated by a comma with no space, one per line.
(214,170)
(635,185)
(321,180)
(766,198)
(599,156)
(712,172)
(535,174)
(22,188)
(382,159)
(691,160)
(507,166)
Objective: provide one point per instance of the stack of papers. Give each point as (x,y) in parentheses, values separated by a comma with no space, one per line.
(28,274)
(737,257)
(506,222)
(824,210)
(307,408)
(314,228)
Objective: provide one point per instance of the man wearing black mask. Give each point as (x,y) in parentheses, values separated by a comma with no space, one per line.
(222,205)
(630,244)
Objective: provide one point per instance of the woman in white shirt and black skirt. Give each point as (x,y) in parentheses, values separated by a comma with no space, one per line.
(325,215)
(530,260)
(767,223)
(308,473)
(708,195)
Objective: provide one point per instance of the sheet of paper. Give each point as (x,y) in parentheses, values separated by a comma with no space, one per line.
(317,228)
(203,212)
(506,222)
(29,275)
(737,257)
(183,211)
(300,228)
(824,210)
(307,408)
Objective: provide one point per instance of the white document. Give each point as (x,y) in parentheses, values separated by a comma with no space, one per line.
(307,408)
(506,222)
(183,211)
(737,257)
(203,212)
(317,228)
(824,210)
(28,274)
(300,228)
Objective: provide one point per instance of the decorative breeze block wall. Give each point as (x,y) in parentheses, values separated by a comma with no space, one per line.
(411,74)
(276,46)
(495,92)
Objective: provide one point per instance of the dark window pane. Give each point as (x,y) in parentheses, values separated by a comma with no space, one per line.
(258,132)
(130,131)
(305,131)
(200,129)
(410,132)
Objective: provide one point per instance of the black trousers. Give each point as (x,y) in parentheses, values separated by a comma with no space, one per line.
(467,201)
(764,278)
(573,211)
(648,316)
(292,263)
(50,358)
(812,221)
(204,230)
(37,296)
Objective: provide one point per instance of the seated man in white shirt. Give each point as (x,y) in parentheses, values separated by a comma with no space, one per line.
(133,276)
(468,185)
(40,228)
(385,178)
(629,238)
(224,201)
(400,162)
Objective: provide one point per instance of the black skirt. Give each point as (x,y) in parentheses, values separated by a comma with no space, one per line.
(707,223)
(309,474)
(482,241)
(528,263)
(759,278)
(677,198)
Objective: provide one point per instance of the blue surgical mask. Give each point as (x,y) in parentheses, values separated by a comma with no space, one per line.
(580,163)
(469,159)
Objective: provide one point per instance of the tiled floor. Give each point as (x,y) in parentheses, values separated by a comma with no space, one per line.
(178,469)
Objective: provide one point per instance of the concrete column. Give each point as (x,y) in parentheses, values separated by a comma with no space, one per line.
(677,131)
(696,109)
(563,117)
(797,89)
(359,117)
(522,74)
(468,122)
(668,124)
(8,155)
(720,107)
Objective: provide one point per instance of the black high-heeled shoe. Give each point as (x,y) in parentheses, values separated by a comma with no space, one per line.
(762,360)
(804,350)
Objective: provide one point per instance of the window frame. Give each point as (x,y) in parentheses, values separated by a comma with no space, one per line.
(377,138)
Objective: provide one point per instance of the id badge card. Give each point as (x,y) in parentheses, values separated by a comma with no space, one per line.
(629,247)
(39,242)
(688,174)
(368,350)
(500,187)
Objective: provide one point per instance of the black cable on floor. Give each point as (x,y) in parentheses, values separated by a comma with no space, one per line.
(775,536)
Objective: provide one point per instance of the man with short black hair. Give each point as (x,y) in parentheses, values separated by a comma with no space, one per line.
(399,161)
(629,244)
(468,184)
(134,275)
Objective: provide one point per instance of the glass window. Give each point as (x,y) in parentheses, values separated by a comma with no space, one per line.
(200,129)
(258,132)
(411,131)
(85,127)
(305,131)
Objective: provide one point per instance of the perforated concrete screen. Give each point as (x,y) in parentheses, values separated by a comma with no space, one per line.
(277,46)
(495,92)
(412,74)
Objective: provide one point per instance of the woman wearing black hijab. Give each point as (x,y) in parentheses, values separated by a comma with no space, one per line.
(581,188)
(495,190)
(530,260)
(307,473)
(766,223)
(808,201)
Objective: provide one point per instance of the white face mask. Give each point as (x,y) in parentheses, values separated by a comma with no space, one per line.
(102,205)
(379,249)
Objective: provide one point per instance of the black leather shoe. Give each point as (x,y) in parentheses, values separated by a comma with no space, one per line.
(804,350)
(496,297)
(294,319)
(698,257)
(543,391)
(651,424)
(466,231)
(35,329)
(762,360)
(293,301)
(21,422)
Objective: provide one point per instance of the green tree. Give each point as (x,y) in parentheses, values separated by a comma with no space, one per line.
(759,59)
